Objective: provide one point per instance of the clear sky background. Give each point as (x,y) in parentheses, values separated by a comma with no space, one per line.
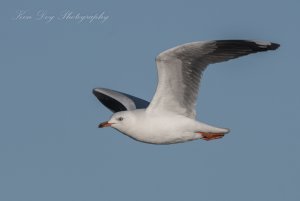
(51,148)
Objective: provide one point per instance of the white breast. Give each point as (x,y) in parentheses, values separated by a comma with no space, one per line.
(162,129)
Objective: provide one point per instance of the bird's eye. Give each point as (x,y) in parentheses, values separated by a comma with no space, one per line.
(120,119)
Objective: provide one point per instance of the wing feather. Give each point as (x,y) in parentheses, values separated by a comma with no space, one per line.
(180,70)
(118,101)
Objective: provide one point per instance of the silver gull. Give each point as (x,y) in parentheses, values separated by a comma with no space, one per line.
(170,116)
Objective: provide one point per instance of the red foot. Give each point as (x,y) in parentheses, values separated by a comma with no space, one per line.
(211,136)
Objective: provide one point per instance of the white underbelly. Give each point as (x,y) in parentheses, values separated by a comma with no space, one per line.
(164,131)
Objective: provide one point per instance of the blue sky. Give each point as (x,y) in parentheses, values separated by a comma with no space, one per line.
(51,148)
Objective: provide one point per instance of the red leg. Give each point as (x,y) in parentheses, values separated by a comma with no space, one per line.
(211,136)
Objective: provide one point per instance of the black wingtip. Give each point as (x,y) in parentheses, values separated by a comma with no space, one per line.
(108,101)
(264,46)
(95,91)
(274,46)
(247,46)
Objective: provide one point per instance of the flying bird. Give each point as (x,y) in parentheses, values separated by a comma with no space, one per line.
(171,115)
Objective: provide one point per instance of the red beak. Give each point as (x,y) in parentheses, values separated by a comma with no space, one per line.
(104,124)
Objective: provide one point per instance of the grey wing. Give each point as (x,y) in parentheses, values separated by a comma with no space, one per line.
(118,101)
(180,70)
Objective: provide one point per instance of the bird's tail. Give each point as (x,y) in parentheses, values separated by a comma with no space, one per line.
(209,132)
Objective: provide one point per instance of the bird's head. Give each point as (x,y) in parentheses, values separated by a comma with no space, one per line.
(120,120)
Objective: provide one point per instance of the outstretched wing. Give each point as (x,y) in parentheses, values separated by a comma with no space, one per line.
(118,101)
(180,70)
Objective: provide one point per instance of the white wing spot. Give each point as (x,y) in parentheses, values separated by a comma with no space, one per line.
(262,43)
